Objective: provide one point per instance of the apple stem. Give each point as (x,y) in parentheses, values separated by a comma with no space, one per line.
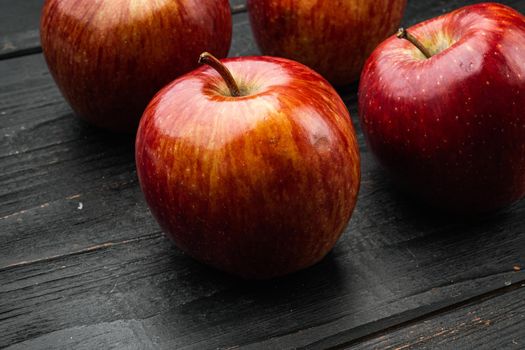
(402,33)
(212,61)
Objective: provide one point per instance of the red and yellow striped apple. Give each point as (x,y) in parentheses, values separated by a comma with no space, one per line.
(333,37)
(449,124)
(110,57)
(255,172)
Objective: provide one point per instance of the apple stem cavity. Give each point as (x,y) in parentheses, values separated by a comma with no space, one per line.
(402,33)
(212,61)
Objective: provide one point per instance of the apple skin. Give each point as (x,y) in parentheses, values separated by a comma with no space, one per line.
(260,185)
(332,37)
(109,58)
(451,129)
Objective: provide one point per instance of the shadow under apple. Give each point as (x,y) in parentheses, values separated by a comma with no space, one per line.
(272,308)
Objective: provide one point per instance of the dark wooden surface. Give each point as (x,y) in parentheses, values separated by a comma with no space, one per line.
(83,264)
(494,322)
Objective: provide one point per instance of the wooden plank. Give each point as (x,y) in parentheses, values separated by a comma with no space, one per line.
(146,289)
(19,21)
(19,27)
(490,324)
(103,271)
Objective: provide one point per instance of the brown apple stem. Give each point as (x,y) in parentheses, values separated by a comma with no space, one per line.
(402,33)
(212,61)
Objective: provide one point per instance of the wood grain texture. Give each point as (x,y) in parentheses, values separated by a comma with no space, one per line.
(495,323)
(84,265)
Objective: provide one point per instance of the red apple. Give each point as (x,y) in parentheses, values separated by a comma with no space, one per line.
(451,127)
(332,37)
(110,57)
(259,180)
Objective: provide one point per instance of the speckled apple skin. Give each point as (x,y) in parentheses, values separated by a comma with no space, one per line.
(451,129)
(333,37)
(259,186)
(109,57)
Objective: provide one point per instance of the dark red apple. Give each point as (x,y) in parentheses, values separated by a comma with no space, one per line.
(259,177)
(110,57)
(451,127)
(333,37)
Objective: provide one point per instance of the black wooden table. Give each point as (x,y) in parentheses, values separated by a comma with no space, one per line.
(84,265)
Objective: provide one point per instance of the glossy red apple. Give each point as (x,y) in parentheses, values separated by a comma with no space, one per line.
(258,180)
(109,57)
(451,128)
(333,37)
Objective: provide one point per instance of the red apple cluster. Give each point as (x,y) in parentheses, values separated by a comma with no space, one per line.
(251,164)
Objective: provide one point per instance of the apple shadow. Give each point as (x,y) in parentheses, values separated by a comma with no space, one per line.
(434,247)
(266,309)
(86,130)
(98,152)
(327,272)
(417,210)
(77,158)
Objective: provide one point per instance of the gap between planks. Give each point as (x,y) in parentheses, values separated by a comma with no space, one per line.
(474,300)
(90,249)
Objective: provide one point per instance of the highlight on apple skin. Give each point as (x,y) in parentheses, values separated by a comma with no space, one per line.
(451,128)
(332,37)
(259,185)
(110,57)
